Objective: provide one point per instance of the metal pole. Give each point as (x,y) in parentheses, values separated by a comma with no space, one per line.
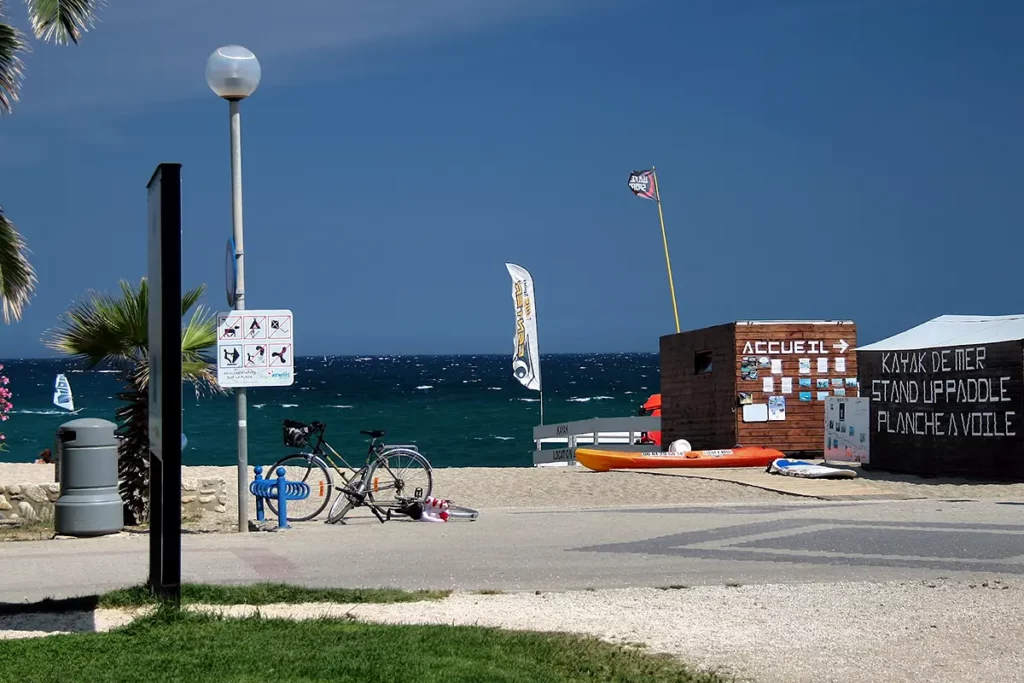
(236,224)
(541,406)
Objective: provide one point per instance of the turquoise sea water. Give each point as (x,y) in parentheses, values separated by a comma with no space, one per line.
(462,411)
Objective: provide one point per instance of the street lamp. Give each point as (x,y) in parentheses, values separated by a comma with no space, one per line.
(233,73)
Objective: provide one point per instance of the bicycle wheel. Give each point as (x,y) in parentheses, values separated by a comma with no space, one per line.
(462,512)
(344,502)
(398,475)
(307,469)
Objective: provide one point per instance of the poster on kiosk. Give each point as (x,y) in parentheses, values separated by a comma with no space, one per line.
(847,421)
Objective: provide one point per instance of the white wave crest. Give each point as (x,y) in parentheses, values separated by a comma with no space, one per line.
(41,412)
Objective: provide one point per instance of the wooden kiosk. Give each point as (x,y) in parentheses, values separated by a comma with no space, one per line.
(756,383)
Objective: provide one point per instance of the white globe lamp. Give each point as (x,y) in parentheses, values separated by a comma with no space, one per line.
(233,72)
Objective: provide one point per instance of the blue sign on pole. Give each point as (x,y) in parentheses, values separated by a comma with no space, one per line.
(230,272)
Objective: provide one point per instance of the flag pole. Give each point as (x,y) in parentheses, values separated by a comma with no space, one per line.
(540,375)
(664,239)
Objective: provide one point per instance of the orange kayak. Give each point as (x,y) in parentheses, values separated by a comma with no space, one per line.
(602,461)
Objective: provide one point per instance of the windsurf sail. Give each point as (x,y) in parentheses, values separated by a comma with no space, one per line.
(525,354)
(62,396)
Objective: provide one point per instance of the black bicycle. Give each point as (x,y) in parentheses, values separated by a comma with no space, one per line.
(391,477)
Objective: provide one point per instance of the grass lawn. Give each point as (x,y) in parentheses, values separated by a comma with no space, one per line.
(201,593)
(267,594)
(173,646)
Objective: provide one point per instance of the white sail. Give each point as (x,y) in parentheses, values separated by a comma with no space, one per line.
(62,397)
(525,353)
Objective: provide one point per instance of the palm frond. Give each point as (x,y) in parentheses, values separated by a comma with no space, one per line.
(62,21)
(104,328)
(191,298)
(12,45)
(198,336)
(96,330)
(17,276)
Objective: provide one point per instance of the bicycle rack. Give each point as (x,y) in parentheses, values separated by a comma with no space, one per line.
(280,489)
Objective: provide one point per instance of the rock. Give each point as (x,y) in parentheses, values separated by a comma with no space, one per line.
(35,493)
(14,489)
(203,500)
(4,505)
(26,511)
(223,508)
(189,485)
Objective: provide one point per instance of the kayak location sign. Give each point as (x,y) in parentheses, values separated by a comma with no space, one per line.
(255,349)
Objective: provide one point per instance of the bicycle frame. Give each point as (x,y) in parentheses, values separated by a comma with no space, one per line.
(374,456)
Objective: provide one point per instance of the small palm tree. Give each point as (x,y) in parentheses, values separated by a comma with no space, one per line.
(61,22)
(114,330)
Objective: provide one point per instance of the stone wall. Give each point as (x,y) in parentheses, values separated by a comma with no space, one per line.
(30,502)
(34,502)
(202,496)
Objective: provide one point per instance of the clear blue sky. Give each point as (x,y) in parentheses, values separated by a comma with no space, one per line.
(818,158)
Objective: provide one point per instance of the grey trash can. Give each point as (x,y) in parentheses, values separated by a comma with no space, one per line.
(89,503)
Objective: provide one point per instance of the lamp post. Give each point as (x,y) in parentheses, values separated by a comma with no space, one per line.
(233,73)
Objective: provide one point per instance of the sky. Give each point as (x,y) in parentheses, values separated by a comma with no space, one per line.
(818,159)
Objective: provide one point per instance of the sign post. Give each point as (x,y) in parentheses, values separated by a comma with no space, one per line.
(164,237)
(255,348)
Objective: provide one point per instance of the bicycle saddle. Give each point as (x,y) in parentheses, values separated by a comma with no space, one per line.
(373,433)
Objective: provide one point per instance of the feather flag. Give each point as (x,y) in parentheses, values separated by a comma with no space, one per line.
(525,354)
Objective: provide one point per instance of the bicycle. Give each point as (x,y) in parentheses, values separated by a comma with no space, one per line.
(399,469)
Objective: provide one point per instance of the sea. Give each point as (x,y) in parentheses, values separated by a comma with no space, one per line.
(461,411)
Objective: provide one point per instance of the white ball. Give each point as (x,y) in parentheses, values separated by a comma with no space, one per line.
(680,446)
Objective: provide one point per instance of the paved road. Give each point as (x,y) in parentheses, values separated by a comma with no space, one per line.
(556,550)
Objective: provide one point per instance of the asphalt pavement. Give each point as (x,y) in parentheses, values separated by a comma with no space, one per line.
(553,550)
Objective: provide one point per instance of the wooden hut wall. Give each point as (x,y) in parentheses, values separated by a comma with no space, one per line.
(698,387)
(790,344)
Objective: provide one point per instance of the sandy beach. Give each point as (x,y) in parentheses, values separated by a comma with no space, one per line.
(508,487)
(577,487)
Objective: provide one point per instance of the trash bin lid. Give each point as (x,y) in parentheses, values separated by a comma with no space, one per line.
(87,431)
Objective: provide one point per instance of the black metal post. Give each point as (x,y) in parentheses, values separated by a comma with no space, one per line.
(165,427)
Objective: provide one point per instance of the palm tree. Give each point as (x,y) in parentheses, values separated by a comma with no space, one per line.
(114,330)
(60,22)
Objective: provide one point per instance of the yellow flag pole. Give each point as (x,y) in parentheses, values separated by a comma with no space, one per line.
(664,239)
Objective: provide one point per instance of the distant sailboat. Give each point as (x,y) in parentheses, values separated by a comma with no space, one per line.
(62,396)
